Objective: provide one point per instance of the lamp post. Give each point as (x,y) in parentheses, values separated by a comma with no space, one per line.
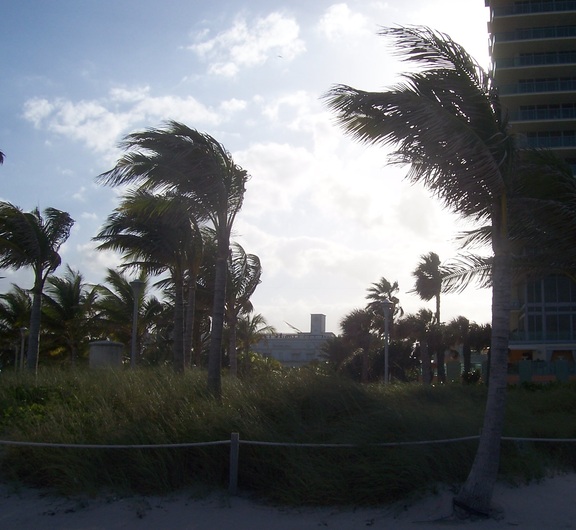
(137,286)
(388,306)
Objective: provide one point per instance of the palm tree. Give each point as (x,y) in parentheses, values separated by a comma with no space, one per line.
(68,313)
(244,272)
(446,121)
(155,233)
(428,275)
(115,306)
(33,240)
(250,330)
(15,307)
(418,327)
(194,165)
(357,329)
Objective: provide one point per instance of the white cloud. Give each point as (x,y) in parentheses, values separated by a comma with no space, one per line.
(249,45)
(100,123)
(233,105)
(37,109)
(340,22)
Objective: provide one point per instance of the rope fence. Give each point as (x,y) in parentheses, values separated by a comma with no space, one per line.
(235,443)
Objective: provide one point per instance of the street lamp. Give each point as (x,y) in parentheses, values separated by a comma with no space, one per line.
(137,287)
(388,306)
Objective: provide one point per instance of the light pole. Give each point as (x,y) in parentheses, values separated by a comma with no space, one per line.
(23,331)
(388,306)
(137,286)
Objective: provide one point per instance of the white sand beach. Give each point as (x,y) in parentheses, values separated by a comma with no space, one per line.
(548,504)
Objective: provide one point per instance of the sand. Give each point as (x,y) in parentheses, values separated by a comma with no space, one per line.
(548,504)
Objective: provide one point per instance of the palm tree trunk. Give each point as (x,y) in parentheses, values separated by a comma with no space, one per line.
(232,350)
(425,360)
(467,355)
(215,352)
(476,493)
(189,321)
(178,344)
(440,366)
(34,333)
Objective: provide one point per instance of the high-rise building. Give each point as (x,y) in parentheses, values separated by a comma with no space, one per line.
(533,51)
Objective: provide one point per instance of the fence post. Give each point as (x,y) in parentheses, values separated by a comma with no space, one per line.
(234,452)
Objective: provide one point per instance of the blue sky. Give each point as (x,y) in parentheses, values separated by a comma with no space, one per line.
(327,217)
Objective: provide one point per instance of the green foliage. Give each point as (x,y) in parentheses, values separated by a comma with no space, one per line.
(305,406)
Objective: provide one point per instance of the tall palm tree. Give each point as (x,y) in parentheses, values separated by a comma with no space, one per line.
(28,239)
(244,272)
(68,312)
(429,274)
(428,285)
(155,233)
(195,166)
(446,121)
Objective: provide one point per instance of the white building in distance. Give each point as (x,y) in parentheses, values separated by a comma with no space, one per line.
(296,349)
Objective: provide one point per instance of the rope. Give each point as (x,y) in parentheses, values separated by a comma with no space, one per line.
(273,444)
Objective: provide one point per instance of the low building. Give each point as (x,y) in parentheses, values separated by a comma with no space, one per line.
(296,349)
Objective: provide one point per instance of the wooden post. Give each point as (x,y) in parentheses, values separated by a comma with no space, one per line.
(234,452)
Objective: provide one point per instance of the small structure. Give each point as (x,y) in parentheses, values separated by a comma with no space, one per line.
(296,349)
(106,354)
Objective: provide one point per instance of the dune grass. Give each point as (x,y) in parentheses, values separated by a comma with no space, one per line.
(156,406)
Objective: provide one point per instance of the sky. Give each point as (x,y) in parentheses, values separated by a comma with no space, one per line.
(326,216)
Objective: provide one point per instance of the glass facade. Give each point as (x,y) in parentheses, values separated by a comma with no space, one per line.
(550,310)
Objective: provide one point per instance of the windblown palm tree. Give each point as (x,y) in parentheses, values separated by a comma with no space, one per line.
(68,313)
(155,233)
(115,307)
(183,161)
(33,240)
(428,275)
(445,120)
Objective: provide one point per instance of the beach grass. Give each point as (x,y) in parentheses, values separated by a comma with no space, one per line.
(156,406)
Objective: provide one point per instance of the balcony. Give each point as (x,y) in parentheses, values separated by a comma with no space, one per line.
(537,59)
(544,114)
(522,34)
(536,7)
(539,86)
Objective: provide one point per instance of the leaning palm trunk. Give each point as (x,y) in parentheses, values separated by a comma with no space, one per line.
(215,352)
(476,493)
